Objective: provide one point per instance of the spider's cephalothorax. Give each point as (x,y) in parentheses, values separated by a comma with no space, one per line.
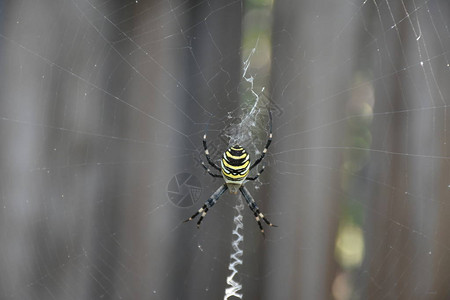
(235,167)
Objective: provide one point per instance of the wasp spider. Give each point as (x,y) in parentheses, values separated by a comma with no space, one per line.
(235,167)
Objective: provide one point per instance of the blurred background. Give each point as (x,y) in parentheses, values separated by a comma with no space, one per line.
(103,105)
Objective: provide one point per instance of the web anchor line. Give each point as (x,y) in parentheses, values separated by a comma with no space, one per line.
(234,286)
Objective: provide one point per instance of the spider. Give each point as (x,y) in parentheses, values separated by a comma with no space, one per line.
(235,167)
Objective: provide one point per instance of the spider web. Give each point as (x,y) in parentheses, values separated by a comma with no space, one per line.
(104,105)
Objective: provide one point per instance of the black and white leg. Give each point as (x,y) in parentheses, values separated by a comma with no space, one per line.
(267,144)
(209,171)
(255,209)
(207,154)
(257,175)
(208,204)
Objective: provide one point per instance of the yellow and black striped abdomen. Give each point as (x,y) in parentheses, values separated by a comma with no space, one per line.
(235,164)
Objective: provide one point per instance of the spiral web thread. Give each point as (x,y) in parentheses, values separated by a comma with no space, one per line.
(234,286)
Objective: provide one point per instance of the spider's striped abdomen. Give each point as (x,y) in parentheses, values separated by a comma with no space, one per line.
(235,165)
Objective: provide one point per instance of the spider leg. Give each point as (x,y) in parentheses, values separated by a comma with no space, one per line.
(207,154)
(257,175)
(255,209)
(267,144)
(208,204)
(209,171)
